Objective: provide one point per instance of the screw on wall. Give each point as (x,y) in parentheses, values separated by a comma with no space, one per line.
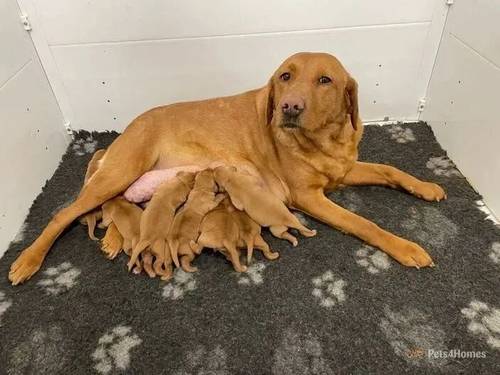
(421,105)
(26,22)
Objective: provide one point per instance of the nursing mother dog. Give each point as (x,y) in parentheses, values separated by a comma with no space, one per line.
(299,134)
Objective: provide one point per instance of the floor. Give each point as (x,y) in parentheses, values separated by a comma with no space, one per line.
(333,305)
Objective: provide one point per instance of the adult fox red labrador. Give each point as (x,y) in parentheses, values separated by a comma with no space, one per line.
(299,133)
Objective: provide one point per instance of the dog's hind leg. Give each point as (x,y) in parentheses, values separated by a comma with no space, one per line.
(130,155)
(264,247)
(186,263)
(280,231)
(234,257)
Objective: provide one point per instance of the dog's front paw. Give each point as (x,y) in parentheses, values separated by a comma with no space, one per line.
(25,266)
(412,255)
(428,191)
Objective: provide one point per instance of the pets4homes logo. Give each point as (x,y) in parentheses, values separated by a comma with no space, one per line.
(416,353)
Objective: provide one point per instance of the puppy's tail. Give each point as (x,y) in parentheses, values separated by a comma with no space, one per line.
(91,222)
(174,251)
(249,242)
(143,244)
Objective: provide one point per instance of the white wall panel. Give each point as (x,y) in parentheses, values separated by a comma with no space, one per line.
(463,102)
(95,21)
(154,52)
(33,137)
(135,76)
(476,22)
(16,49)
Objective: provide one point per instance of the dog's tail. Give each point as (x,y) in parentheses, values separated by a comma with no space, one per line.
(141,245)
(174,251)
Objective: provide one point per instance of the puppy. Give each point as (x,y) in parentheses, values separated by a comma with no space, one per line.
(250,194)
(126,217)
(250,236)
(157,219)
(220,231)
(90,219)
(186,224)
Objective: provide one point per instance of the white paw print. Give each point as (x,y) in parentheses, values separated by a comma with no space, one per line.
(401,135)
(182,283)
(253,276)
(410,334)
(41,352)
(300,354)
(484,321)
(113,350)
(372,260)
(202,361)
(442,166)
(59,279)
(429,226)
(328,289)
(495,252)
(4,304)
(84,146)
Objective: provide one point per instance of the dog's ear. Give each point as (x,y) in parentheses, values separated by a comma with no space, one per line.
(265,102)
(351,96)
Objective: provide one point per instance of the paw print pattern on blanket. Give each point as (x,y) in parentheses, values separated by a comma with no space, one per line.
(484,321)
(373,260)
(328,289)
(84,146)
(42,352)
(4,304)
(401,135)
(442,166)
(182,283)
(495,253)
(59,279)
(253,276)
(203,361)
(410,334)
(113,350)
(300,354)
(429,226)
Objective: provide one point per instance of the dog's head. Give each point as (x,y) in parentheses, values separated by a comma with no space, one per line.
(310,91)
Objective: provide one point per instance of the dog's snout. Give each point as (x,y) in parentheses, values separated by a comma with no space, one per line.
(292,105)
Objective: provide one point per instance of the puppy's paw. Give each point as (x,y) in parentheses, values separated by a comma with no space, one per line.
(428,191)
(25,266)
(111,248)
(412,255)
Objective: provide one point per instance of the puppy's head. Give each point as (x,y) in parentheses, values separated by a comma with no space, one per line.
(204,180)
(186,177)
(311,91)
(222,175)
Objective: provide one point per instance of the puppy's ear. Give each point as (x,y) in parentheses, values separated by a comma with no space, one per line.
(351,96)
(265,102)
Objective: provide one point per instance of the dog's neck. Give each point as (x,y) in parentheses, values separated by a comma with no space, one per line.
(320,149)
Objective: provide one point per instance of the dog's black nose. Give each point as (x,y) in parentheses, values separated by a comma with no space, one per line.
(292,106)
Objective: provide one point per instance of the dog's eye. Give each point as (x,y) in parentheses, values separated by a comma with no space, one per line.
(285,76)
(325,79)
